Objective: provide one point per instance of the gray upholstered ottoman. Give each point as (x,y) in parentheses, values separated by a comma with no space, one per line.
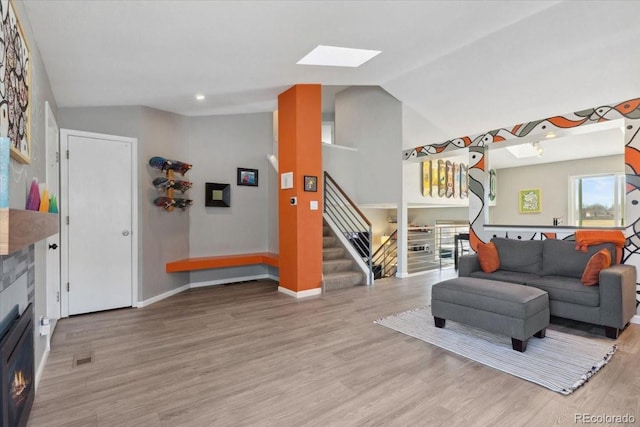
(517,311)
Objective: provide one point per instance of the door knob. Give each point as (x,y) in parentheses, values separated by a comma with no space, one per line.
(53,246)
(125,232)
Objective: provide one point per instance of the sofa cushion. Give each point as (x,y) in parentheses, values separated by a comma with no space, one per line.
(598,262)
(568,289)
(506,276)
(560,257)
(488,257)
(523,256)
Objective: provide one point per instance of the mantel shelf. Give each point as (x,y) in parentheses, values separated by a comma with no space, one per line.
(20,228)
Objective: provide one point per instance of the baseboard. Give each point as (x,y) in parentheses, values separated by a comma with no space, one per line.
(636,319)
(162,296)
(40,371)
(230,280)
(183,288)
(301,294)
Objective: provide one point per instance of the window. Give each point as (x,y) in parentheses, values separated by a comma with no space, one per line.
(597,200)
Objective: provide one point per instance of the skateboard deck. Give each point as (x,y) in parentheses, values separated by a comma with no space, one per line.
(163,164)
(164,202)
(182,186)
(183,203)
(163,184)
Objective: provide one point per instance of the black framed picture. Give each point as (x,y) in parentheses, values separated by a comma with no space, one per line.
(310,183)
(217,195)
(248,177)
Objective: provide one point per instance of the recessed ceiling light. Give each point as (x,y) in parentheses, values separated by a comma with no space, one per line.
(338,56)
(200,97)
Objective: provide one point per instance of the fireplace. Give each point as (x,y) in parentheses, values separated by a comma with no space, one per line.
(16,368)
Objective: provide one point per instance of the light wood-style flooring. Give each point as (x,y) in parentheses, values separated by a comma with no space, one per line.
(247,355)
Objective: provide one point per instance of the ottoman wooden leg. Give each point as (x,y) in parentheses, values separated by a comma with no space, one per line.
(519,345)
(541,333)
(439,322)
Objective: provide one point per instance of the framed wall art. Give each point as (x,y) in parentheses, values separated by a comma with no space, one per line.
(530,201)
(217,195)
(15,82)
(310,183)
(248,177)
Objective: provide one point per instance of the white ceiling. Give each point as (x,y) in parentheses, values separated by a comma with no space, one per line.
(465,66)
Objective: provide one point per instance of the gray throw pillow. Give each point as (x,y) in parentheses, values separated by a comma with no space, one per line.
(524,256)
(560,257)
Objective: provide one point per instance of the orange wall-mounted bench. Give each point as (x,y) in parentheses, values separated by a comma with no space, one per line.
(221,261)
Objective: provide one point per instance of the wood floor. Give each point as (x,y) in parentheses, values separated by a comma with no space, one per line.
(247,355)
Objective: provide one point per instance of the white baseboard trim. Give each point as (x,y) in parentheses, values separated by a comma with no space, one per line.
(301,294)
(183,288)
(162,296)
(230,280)
(43,363)
(636,319)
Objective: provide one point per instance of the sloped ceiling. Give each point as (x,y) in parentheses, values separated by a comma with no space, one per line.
(464,66)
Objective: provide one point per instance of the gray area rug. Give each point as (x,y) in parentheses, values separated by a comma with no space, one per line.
(561,362)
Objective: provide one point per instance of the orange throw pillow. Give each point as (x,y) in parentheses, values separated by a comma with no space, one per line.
(488,257)
(599,261)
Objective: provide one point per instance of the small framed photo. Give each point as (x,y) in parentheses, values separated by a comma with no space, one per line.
(310,183)
(248,177)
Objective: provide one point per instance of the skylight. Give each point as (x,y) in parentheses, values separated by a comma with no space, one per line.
(333,56)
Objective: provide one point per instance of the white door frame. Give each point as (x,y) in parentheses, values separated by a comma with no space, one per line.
(53,255)
(64,198)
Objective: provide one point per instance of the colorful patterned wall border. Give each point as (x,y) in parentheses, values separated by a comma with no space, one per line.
(629,111)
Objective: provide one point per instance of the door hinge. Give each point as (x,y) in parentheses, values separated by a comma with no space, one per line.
(58,296)
(57,157)
(67,219)
(67,286)
(67,154)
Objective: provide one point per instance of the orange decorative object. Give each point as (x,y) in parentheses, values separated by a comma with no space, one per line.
(586,238)
(204,263)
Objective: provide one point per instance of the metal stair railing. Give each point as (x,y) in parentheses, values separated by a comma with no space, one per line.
(350,220)
(385,258)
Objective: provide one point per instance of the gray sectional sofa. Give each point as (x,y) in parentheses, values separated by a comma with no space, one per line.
(555,266)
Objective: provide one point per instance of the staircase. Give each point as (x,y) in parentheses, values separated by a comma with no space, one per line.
(339,270)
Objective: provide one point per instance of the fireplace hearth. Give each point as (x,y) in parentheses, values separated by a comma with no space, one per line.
(17,369)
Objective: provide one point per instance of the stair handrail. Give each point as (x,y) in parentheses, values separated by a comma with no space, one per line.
(380,257)
(349,219)
(329,178)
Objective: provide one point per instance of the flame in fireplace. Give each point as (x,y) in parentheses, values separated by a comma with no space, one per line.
(19,387)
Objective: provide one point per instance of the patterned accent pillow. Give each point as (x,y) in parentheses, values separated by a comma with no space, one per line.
(488,257)
(599,261)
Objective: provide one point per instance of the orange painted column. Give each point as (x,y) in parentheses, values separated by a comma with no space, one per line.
(300,226)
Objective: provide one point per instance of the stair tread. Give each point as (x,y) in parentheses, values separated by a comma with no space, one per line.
(339,274)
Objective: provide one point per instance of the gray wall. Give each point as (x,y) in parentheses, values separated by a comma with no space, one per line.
(164,234)
(429,216)
(21,175)
(370,120)
(553,181)
(219,145)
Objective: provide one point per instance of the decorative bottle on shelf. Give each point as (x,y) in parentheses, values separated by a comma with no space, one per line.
(33,199)
(53,204)
(44,201)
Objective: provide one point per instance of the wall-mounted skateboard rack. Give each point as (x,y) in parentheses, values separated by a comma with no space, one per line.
(168,184)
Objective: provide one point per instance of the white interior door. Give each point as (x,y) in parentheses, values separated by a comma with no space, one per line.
(100,225)
(52,142)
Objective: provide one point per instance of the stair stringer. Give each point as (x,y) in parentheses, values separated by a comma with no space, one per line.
(355,256)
